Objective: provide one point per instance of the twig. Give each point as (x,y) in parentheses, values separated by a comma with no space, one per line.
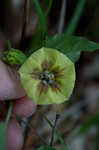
(62,16)
(53,130)
(25,20)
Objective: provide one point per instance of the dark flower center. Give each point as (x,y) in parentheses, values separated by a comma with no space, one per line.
(47,77)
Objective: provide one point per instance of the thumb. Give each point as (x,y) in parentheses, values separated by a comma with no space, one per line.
(10,85)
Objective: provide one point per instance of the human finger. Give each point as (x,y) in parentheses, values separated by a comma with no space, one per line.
(10,85)
(23,107)
(14,136)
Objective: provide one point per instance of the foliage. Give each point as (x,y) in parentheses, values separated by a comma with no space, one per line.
(3,127)
(71,46)
(3,136)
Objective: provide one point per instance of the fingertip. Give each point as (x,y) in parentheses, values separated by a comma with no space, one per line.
(23,107)
(14,136)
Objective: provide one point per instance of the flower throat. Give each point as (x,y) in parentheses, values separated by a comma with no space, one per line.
(47,77)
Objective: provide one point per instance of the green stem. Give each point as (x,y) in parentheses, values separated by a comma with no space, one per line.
(41,18)
(9,45)
(49,8)
(75,18)
(9,113)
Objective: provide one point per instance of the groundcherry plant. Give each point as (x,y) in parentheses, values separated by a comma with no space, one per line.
(47,73)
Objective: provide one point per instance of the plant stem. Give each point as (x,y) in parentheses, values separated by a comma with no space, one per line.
(54,129)
(75,18)
(41,18)
(9,45)
(49,8)
(57,133)
(9,113)
(62,17)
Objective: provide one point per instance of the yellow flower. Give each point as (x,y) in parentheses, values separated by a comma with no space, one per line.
(48,76)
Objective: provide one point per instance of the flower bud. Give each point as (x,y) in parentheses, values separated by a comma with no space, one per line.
(14,57)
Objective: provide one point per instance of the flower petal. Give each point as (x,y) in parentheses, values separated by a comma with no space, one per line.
(65,79)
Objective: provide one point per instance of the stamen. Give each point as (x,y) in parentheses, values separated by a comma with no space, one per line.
(47,77)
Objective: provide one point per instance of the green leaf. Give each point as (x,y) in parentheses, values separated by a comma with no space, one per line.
(3,127)
(46,148)
(71,46)
(2,136)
